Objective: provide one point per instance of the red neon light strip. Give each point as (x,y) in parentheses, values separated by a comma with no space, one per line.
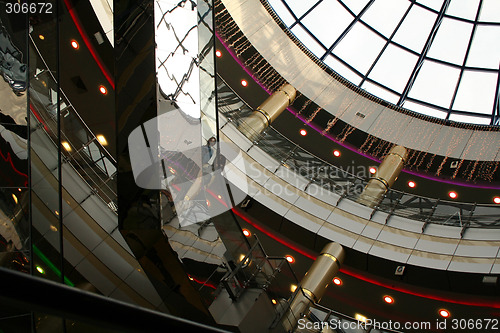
(482,303)
(89,45)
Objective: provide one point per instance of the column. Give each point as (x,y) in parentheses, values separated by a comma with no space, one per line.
(314,283)
(385,176)
(267,112)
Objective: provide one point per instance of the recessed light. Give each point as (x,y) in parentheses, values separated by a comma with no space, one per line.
(274,301)
(290,259)
(388,299)
(303,132)
(75,45)
(247,233)
(102,140)
(453,194)
(15,198)
(293,287)
(372,170)
(496,200)
(244,83)
(336,153)
(218,53)
(337,281)
(360,317)
(40,269)
(103,90)
(444,313)
(42,37)
(66,145)
(412,184)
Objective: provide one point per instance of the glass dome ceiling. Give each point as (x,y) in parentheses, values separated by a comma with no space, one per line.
(436,57)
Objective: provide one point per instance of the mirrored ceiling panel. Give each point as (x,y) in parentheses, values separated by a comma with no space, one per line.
(440,58)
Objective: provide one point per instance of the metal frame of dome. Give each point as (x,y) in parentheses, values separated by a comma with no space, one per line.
(438,58)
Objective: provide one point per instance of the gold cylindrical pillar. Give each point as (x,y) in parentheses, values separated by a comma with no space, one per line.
(314,283)
(384,178)
(267,112)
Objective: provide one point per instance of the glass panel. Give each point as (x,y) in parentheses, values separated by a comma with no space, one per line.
(342,69)
(360,47)
(309,42)
(299,7)
(485,49)
(427,110)
(282,11)
(470,119)
(464,9)
(490,11)
(434,4)
(476,92)
(415,28)
(394,68)
(384,15)
(450,43)
(380,92)
(318,21)
(356,5)
(435,83)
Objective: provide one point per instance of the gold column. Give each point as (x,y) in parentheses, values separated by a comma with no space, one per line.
(384,178)
(267,112)
(314,283)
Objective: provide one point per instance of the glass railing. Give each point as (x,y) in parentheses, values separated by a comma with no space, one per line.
(80,146)
(333,179)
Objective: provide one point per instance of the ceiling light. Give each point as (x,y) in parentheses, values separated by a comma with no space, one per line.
(303,132)
(19,189)
(57,213)
(15,198)
(444,313)
(372,170)
(412,184)
(103,90)
(453,194)
(336,153)
(172,170)
(42,37)
(337,281)
(190,278)
(208,203)
(66,145)
(102,140)
(274,301)
(40,269)
(53,228)
(244,83)
(75,45)
(218,53)
(293,287)
(290,259)
(388,299)
(360,317)
(247,233)
(496,200)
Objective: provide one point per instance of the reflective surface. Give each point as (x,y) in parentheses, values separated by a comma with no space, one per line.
(439,58)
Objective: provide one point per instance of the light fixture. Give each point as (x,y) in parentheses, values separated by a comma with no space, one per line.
(337,281)
(102,140)
(219,196)
(336,153)
(172,170)
(218,53)
(496,200)
(53,228)
(66,145)
(190,278)
(412,184)
(293,287)
(303,132)
(75,45)
(372,170)
(453,194)
(208,203)
(42,37)
(247,233)
(360,317)
(19,189)
(244,83)
(103,90)
(444,313)
(15,198)
(388,299)
(40,269)
(274,301)
(290,259)
(57,213)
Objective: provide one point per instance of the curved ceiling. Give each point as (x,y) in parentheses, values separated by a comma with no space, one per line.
(436,57)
